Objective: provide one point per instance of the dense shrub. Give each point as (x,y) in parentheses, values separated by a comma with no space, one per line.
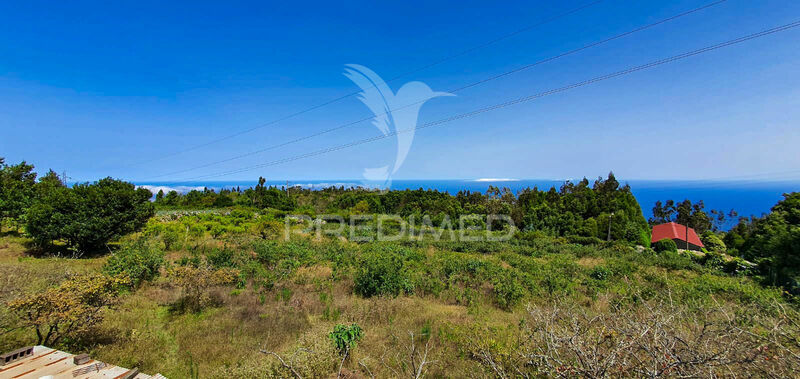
(382,274)
(172,235)
(713,260)
(665,245)
(137,261)
(17,189)
(712,242)
(508,291)
(673,260)
(220,258)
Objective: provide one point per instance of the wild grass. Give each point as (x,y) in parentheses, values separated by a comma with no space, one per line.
(437,309)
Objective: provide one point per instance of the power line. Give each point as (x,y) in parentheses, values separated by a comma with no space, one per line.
(513,102)
(334,100)
(470,85)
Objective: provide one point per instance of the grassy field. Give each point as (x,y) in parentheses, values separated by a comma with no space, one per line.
(531,306)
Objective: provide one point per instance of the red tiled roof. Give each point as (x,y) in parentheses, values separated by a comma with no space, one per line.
(672,230)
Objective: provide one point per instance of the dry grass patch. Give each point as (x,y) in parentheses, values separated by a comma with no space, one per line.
(590,262)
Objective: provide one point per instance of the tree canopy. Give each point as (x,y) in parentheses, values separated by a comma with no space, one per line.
(88,216)
(16,190)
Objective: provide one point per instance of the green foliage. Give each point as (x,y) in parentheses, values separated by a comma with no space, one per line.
(382,273)
(714,261)
(508,291)
(268,228)
(137,262)
(17,191)
(88,216)
(777,237)
(220,258)
(345,338)
(285,294)
(583,240)
(673,260)
(712,242)
(601,273)
(172,235)
(738,266)
(218,230)
(665,245)
(685,213)
(584,210)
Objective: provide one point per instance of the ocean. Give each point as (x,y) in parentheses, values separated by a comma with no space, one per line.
(746,197)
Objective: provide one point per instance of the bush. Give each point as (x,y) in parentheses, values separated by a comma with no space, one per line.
(345,338)
(738,266)
(712,242)
(508,291)
(195,282)
(69,310)
(137,262)
(381,274)
(268,228)
(220,258)
(665,245)
(172,235)
(713,260)
(267,252)
(218,230)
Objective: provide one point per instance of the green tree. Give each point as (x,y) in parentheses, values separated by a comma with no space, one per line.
(686,213)
(48,183)
(777,238)
(172,198)
(16,190)
(88,216)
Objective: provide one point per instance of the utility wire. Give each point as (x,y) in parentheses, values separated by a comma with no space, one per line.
(512,102)
(470,85)
(334,100)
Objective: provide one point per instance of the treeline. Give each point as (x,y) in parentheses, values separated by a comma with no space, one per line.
(692,214)
(82,218)
(771,241)
(602,210)
(260,196)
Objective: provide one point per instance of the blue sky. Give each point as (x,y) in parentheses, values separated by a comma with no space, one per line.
(97,89)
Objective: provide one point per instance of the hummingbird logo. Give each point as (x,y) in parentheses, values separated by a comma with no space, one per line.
(394,113)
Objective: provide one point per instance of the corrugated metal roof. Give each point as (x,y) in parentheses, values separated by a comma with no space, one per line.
(58,364)
(673,230)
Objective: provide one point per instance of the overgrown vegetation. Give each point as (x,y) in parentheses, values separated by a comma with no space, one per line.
(72,308)
(211,289)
